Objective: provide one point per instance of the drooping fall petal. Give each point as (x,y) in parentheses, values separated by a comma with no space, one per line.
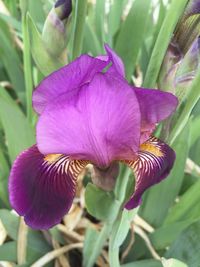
(154,162)
(101,123)
(42,188)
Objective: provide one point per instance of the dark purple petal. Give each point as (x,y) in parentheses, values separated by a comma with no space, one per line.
(101,123)
(63,8)
(66,79)
(155,106)
(42,188)
(155,160)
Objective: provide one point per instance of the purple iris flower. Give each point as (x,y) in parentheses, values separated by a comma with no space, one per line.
(88,113)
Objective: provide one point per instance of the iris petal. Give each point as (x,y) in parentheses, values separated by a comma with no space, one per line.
(42,188)
(101,123)
(155,106)
(66,79)
(73,76)
(154,162)
(117,63)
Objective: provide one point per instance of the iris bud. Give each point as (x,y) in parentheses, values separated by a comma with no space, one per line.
(169,67)
(188,29)
(54,32)
(187,70)
(63,8)
(182,57)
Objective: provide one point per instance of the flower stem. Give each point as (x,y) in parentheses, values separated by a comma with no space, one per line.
(99,244)
(111,228)
(79,24)
(114,257)
(27,67)
(121,185)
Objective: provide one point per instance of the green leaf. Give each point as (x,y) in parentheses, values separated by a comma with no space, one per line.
(10,222)
(91,237)
(56,234)
(121,228)
(44,61)
(181,215)
(160,198)
(130,37)
(8,251)
(11,60)
(100,19)
(162,42)
(27,67)
(151,37)
(99,244)
(4,171)
(187,246)
(4,193)
(144,263)
(11,21)
(194,130)
(188,206)
(91,42)
(36,242)
(173,263)
(36,10)
(164,236)
(79,25)
(13,8)
(114,18)
(19,133)
(161,17)
(109,207)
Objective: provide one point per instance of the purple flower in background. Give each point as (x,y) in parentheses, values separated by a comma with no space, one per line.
(88,113)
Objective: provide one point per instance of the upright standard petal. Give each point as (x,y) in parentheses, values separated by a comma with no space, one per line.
(155,106)
(42,188)
(117,64)
(65,80)
(154,162)
(101,123)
